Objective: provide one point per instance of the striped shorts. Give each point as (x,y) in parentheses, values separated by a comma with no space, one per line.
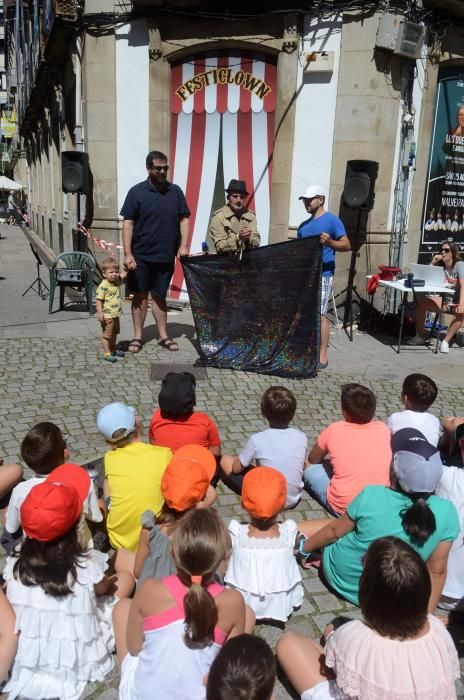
(326,293)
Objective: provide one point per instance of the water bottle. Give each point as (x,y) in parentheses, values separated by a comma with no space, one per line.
(205,248)
(409,280)
(92,471)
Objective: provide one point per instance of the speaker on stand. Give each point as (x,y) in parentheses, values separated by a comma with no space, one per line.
(75,179)
(357,201)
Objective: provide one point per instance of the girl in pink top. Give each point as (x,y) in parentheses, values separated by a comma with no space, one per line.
(169,636)
(398,651)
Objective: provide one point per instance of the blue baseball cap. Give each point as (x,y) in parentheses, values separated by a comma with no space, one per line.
(116,416)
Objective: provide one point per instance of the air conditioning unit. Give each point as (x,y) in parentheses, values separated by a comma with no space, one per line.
(410,40)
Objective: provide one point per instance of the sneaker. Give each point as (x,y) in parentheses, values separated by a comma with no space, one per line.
(119,353)
(444,347)
(417,340)
(110,358)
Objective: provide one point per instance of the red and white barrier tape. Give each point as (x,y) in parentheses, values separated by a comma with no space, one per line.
(105,245)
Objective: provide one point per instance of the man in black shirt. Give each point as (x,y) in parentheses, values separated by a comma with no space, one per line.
(155,215)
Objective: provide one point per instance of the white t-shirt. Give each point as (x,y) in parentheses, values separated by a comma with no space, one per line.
(282,448)
(425,422)
(451,487)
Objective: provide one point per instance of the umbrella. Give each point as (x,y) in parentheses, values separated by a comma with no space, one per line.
(7,184)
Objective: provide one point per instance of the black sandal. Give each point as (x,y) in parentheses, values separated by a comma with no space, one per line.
(135,343)
(168,344)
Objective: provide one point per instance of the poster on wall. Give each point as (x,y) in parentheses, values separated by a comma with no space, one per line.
(443,213)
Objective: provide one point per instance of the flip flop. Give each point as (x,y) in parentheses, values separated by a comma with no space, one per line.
(137,344)
(168,344)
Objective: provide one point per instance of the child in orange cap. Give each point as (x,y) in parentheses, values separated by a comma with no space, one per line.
(262,566)
(65,635)
(185,485)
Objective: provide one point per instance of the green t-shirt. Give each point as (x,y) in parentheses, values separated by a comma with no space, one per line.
(376,513)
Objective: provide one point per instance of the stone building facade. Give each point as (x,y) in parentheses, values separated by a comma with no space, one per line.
(105,82)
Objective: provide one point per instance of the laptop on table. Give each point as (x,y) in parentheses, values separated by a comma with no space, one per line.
(433,275)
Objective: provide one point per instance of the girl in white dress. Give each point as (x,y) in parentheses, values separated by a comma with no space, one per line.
(262,566)
(59,593)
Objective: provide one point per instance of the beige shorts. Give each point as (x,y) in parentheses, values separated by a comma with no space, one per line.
(110,328)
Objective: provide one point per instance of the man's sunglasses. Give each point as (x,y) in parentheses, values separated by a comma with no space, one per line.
(160,168)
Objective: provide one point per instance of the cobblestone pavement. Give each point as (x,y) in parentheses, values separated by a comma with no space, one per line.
(50,369)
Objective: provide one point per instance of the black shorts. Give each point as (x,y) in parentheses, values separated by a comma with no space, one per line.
(150,277)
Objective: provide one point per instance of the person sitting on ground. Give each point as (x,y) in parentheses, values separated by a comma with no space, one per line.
(453,267)
(452,441)
(133,473)
(280,446)
(397,651)
(60,594)
(169,636)
(418,394)
(261,565)
(244,669)
(408,510)
(109,307)
(10,475)
(8,637)
(451,487)
(185,485)
(44,449)
(358,450)
(175,423)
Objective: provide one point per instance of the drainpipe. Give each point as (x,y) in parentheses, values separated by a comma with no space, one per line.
(78,129)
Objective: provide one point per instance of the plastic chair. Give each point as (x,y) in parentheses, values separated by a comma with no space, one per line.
(72,261)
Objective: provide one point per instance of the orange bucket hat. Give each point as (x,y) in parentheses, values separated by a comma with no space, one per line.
(264,492)
(187,477)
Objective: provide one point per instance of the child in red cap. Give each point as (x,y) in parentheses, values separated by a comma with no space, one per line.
(185,485)
(64,626)
(262,566)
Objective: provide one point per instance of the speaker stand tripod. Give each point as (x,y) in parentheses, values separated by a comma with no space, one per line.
(350,290)
(37,286)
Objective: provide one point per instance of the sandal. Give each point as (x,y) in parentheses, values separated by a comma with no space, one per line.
(168,344)
(137,344)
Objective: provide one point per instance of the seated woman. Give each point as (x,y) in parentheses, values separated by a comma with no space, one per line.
(453,267)
(397,651)
(407,510)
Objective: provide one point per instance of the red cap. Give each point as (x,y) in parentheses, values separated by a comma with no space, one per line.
(53,507)
(264,491)
(187,477)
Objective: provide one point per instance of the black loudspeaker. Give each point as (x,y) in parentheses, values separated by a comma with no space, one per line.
(360,177)
(75,172)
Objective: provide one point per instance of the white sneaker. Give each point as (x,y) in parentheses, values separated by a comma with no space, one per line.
(444,347)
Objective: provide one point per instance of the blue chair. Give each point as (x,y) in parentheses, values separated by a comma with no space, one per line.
(75,270)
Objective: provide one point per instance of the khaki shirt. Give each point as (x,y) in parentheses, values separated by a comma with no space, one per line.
(225,227)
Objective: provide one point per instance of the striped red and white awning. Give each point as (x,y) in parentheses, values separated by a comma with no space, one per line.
(222,102)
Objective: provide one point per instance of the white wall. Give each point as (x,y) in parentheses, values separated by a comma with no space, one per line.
(315,114)
(132,104)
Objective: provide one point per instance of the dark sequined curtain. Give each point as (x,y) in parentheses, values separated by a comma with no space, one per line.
(260,313)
